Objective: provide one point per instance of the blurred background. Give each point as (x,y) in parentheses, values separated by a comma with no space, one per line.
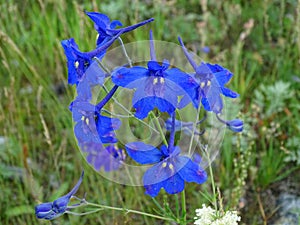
(257,171)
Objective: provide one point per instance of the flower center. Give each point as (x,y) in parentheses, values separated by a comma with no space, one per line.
(158,80)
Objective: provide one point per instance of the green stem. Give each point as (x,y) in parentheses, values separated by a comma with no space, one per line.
(183,206)
(129,211)
(124,51)
(194,129)
(212,183)
(159,128)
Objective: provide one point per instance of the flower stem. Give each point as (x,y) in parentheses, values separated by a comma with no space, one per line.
(194,129)
(159,128)
(124,51)
(183,206)
(172,134)
(128,211)
(212,183)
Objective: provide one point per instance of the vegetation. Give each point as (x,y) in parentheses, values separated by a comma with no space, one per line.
(259,41)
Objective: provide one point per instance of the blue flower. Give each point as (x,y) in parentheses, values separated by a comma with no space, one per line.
(91,126)
(109,157)
(78,62)
(156,86)
(106,28)
(52,210)
(170,171)
(235,125)
(211,80)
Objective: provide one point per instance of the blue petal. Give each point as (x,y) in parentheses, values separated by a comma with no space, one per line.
(129,77)
(60,205)
(155,66)
(215,68)
(164,150)
(174,184)
(203,69)
(166,90)
(79,107)
(101,21)
(114,24)
(145,105)
(94,74)
(143,153)
(187,84)
(175,151)
(105,124)
(159,172)
(109,138)
(105,127)
(235,125)
(213,97)
(197,158)
(84,90)
(181,78)
(205,104)
(223,77)
(44,211)
(84,133)
(229,93)
(71,59)
(109,157)
(186,99)
(191,172)
(153,189)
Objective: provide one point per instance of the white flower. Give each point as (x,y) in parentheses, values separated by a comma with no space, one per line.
(209,216)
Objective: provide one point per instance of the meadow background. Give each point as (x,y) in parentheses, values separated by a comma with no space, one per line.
(259,41)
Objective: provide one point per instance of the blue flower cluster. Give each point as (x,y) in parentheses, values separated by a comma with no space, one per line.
(158,85)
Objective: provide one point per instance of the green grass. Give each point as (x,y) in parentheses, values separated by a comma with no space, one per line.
(40,159)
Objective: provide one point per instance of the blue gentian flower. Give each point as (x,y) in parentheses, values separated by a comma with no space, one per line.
(52,210)
(211,80)
(156,86)
(91,126)
(170,171)
(109,157)
(106,28)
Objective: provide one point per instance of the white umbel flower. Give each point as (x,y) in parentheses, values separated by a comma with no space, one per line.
(209,216)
